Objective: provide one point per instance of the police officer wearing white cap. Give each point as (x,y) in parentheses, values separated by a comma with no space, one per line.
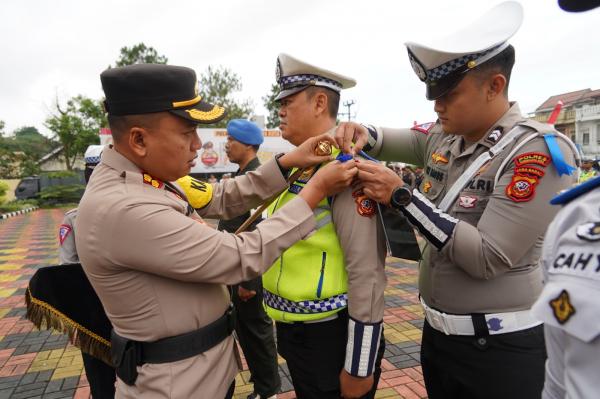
(483,207)
(325,293)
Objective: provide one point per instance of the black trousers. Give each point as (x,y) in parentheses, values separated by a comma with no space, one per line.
(496,366)
(257,339)
(101,377)
(315,355)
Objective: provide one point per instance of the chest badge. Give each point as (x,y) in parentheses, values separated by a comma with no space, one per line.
(589,231)
(562,307)
(438,158)
(426,186)
(467,201)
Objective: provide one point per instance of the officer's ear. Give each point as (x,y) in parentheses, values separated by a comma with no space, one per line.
(320,101)
(496,86)
(138,138)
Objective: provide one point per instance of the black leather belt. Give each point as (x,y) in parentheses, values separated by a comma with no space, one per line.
(128,354)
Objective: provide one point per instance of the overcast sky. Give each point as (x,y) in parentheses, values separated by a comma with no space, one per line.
(58,48)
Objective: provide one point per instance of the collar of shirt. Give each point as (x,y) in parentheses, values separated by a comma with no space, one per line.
(504,124)
(252,165)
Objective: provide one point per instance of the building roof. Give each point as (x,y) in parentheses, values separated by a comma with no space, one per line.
(50,155)
(568,99)
(592,94)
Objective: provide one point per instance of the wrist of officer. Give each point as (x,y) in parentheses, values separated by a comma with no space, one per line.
(401,197)
(282,164)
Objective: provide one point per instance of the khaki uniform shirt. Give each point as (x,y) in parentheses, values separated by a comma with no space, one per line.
(160,273)
(67,251)
(490,263)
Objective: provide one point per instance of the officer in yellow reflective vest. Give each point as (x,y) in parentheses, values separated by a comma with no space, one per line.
(325,293)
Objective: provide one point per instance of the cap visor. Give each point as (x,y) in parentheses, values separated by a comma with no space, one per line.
(286,93)
(578,5)
(443,86)
(202,112)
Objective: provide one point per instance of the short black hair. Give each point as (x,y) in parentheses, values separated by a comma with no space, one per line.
(256,147)
(502,63)
(333,98)
(120,124)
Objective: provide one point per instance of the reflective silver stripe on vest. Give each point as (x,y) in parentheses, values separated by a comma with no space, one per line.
(323,221)
(305,307)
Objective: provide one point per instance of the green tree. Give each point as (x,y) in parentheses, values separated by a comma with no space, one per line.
(76,126)
(217,86)
(272,106)
(1,128)
(140,54)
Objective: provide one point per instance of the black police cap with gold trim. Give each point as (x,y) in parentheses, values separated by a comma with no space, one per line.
(443,63)
(150,88)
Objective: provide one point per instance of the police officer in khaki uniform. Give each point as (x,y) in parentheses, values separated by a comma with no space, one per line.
(483,207)
(326,292)
(158,269)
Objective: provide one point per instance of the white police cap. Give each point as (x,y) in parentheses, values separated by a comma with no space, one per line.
(92,154)
(294,75)
(443,62)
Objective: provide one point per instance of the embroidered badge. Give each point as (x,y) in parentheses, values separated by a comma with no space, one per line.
(535,158)
(426,186)
(423,127)
(467,201)
(365,206)
(438,158)
(494,136)
(530,171)
(152,181)
(589,231)
(562,307)
(63,232)
(521,188)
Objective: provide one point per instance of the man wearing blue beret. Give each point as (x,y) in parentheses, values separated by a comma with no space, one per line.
(253,327)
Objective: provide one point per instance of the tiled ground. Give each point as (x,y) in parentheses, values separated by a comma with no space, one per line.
(41,364)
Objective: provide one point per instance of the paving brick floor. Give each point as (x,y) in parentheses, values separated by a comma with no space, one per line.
(42,364)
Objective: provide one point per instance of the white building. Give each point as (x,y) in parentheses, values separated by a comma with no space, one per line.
(587,129)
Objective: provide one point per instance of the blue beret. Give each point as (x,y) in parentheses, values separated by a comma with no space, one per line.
(245,131)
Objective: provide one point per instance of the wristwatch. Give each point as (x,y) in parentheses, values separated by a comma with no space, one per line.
(401,196)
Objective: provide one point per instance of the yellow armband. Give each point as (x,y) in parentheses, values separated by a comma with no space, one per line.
(198,193)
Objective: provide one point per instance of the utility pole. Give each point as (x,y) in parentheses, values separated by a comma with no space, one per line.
(349,105)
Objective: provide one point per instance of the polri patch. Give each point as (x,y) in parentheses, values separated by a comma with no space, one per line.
(562,307)
(365,206)
(533,158)
(63,232)
(589,231)
(423,127)
(521,188)
(467,201)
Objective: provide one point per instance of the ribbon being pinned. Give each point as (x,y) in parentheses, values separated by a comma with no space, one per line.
(562,167)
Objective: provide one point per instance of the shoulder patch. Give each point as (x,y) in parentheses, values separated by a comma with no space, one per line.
(522,187)
(365,206)
(494,136)
(533,158)
(562,307)
(63,232)
(530,170)
(589,231)
(152,181)
(423,127)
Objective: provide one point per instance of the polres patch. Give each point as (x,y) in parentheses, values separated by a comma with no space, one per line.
(423,127)
(535,158)
(562,307)
(521,188)
(365,206)
(589,231)
(63,232)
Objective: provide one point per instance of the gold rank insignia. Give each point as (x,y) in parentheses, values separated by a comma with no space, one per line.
(426,186)
(152,181)
(562,308)
(438,158)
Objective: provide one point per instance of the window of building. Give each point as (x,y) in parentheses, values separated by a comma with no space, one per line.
(585,136)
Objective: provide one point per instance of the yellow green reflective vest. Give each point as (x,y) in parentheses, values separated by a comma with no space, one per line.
(309,280)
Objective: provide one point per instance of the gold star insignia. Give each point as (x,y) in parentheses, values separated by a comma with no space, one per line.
(562,308)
